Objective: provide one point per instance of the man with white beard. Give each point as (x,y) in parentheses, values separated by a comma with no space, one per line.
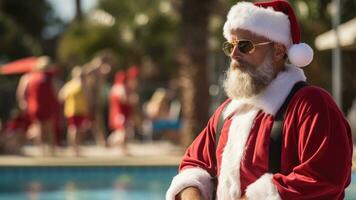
(240,154)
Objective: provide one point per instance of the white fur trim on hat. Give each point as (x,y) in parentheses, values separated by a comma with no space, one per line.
(247,16)
(300,54)
(191,177)
(263,188)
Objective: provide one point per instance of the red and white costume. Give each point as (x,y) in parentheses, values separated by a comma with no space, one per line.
(316,151)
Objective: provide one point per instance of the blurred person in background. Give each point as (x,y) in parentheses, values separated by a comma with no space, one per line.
(37,97)
(95,75)
(132,85)
(13,133)
(276,137)
(75,109)
(120,113)
(162,116)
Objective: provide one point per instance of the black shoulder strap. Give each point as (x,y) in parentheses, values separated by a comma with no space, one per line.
(220,125)
(277,131)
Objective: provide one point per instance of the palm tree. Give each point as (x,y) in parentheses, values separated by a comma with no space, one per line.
(192,58)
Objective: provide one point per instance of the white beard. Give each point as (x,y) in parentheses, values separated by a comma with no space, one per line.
(244,80)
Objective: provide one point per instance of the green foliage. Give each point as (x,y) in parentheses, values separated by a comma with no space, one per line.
(82,40)
(140,31)
(22,24)
(15,42)
(31,15)
(21,27)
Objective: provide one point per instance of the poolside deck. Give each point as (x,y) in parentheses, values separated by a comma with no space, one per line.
(140,154)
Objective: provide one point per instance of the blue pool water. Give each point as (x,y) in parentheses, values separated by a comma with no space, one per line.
(93,183)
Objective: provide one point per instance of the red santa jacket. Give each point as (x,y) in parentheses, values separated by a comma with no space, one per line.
(316,153)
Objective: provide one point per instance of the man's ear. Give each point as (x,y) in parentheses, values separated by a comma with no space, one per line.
(279,52)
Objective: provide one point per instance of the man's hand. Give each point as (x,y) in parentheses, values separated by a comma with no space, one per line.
(190,193)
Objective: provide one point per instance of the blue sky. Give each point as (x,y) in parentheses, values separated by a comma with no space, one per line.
(65,9)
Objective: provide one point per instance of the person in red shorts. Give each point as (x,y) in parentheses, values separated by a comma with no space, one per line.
(75,108)
(120,112)
(37,96)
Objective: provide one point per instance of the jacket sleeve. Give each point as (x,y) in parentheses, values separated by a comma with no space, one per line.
(324,150)
(198,165)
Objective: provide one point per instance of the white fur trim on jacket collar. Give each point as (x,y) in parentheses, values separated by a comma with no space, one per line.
(263,188)
(261,21)
(244,112)
(191,177)
(273,96)
(229,178)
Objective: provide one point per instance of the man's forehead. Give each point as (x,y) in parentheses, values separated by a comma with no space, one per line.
(245,34)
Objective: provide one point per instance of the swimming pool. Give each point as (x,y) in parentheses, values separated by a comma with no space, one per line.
(93,183)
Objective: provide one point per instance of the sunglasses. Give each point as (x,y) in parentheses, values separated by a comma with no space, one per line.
(244,46)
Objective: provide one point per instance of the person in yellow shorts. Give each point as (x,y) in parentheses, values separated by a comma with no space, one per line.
(75,108)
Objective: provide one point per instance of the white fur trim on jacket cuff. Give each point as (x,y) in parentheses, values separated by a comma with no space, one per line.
(263,188)
(191,177)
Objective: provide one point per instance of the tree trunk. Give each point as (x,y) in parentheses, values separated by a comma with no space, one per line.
(78,10)
(192,58)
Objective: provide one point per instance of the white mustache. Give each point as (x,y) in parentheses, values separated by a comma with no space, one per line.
(240,64)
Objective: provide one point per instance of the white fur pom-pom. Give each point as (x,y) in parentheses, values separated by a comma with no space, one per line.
(300,54)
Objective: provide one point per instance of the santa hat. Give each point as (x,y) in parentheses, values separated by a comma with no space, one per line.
(274,20)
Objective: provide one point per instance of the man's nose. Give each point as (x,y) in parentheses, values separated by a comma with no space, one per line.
(236,53)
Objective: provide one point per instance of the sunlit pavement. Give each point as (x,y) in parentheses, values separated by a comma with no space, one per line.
(139,154)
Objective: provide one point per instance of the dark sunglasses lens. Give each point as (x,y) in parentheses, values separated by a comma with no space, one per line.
(245,46)
(228,48)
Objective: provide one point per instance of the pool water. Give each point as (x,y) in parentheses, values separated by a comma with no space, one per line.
(93,183)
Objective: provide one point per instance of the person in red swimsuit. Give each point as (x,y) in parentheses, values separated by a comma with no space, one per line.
(37,96)
(120,112)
